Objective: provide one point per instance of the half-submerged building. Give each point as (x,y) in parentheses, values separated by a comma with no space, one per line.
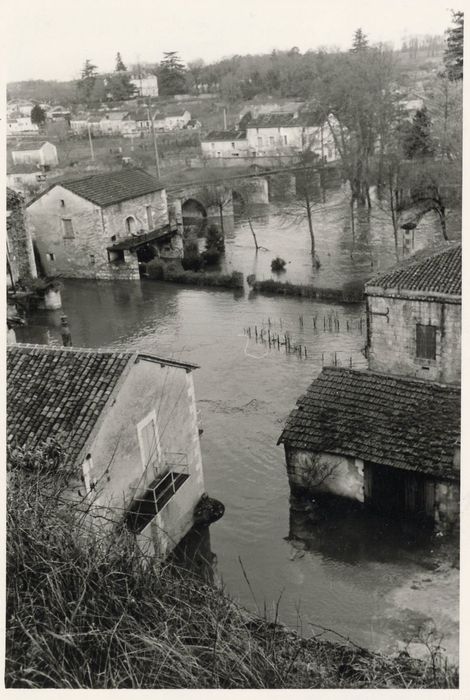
(389,436)
(127,421)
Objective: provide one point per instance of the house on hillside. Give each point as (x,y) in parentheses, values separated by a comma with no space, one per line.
(26,178)
(172,118)
(229,143)
(113,123)
(389,436)
(127,421)
(102,226)
(146,86)
(41,152)
(79,123)
(18,123)
(284,133)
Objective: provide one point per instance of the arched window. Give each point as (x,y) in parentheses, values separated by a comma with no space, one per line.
(131,227)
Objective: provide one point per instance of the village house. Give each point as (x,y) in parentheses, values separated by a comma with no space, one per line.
(146,86)
(41,152)
(285,133)
(102,226)
(79,123)
(225,144)
(20,124)
(127,421)
(113,123)
(26,178)
(389,436)
(22,107)
(172,118)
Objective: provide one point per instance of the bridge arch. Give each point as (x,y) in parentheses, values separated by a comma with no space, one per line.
(193,209)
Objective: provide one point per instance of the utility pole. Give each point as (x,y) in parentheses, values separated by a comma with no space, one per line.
(157,161)
(91,142)
(225,119)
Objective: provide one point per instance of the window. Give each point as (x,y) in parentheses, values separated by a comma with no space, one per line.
(260,140)
(92,259)
(285,140)
(62,203)
(233,144)
(271,140)
(50,256)
(130,225)
(148,209)
(212,145)
(149,442)
(116,256)
(67,228)
(426,341)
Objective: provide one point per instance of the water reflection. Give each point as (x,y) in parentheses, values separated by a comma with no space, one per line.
(346,532)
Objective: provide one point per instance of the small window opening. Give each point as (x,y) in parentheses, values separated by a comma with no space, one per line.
(62,203)
(50,256)
(67,228)
(115,256)
(426,341)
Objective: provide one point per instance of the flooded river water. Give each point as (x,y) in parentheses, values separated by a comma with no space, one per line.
(358,575)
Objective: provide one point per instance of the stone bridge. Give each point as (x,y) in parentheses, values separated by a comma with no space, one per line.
(213,199)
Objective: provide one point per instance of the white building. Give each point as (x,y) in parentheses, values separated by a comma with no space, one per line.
(40,152)
(285,133)
(146,86)
(225,144)
(20,124)
(25,178)
(172,118)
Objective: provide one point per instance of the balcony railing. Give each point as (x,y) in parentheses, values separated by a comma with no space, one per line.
(158,493)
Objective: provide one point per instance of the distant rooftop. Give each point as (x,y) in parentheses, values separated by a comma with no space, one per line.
(228,135)
(109,188)
(394,421)
(29,146)
(285,119)
(437,272)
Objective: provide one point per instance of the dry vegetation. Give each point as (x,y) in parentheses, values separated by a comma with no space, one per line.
(86,610)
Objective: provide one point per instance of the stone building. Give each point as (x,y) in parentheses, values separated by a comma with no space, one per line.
(43,153)
(27,178)
(101,226)
(20,254)
(414,317)
(128,423)
(389,436)
(172,118)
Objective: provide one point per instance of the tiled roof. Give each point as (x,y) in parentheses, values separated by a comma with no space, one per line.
(105,189)
(59,392)
(230,135)
(274,119)
(29,146)
(439,272)
(393,421)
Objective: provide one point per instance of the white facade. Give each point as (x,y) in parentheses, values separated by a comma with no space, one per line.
(20,125)
(222,148)
(171,122)
(146,87)
(283,140)
(44,154)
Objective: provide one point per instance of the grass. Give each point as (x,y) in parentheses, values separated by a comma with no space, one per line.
(351,292)
(86,610)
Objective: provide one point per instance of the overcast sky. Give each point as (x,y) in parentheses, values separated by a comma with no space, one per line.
(52,38)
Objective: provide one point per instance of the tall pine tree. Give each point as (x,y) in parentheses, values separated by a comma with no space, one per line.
(119,64)
(172,74)
(453,56)
(360,41)
(418,142)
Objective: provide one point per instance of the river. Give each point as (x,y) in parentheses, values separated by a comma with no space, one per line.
(359,575)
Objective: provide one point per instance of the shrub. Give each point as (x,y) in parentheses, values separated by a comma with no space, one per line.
(278,265)
(191,259)
(156,269)
(215,239)
(353,291)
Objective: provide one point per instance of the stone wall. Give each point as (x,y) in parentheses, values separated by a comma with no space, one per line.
(446,504)
(20,246)
(392,344)
(325,473)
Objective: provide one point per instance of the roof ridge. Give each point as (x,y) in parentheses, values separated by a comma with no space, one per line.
(416,380)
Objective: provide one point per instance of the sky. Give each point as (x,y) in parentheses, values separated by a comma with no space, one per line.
(50,39)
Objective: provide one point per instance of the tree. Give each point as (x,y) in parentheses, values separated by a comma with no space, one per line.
(87,80)
(119,86)
(453,56)
(195,69)
(418,142)
(119,64)
(38,115)
(172,74)
(360,42)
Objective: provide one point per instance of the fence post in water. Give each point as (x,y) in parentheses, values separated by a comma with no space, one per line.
(336,360)
(324,323)
(350,361)
(305,350)
(323,359)
(256,332)
(301,321)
